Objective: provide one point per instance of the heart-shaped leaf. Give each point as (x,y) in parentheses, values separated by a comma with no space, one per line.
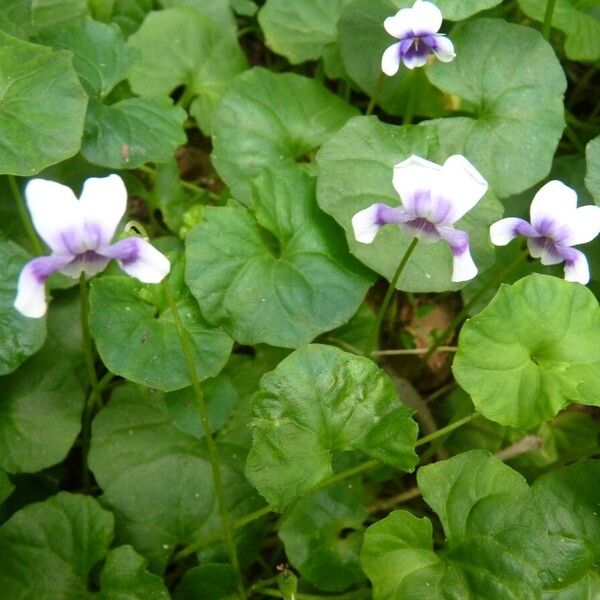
(592,176)
(280,275)
(453,10)
(532,351)
(318,400)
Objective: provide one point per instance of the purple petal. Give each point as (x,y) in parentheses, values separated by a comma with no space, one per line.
(546,250)
(416,54)
(505,230)
(366,222)
(31,288)
(463,266)
(139,259)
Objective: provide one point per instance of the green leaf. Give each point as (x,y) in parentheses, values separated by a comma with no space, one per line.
(181,46)
(532,351)
(300,30)
(15,18)
(135,331)
(495,543)
(569,500)
(40,412)
(158,479)
(271,120)
(592,177)
(48,549)
(244,8)
(208,582)
(453,10)
(323,535)
(57,13)
(578,19)
(42,106)
(355,170)
(124,577)
(280,276)
(362,42)
(100,56)
(319,400)
(6,486)
(20,337)
(129,14)
(132,132)
(512,85)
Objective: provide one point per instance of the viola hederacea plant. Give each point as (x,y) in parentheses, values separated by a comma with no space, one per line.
(271,322)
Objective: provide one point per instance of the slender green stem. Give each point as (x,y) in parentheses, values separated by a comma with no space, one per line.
(548,19)
(375,94)
(444,430)
(210,442)
(372,340)
(33,238)
(411,102)
(440,339)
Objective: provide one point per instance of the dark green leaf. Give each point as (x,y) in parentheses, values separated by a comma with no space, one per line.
(592,177)
(208,582)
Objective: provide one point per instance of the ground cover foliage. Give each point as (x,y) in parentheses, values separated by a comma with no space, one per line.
(271,418)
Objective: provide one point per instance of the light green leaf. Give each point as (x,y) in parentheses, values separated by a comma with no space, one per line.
(132,132)
(208,582)
(140,460)
(280,276)
(20,336)
(319,400)
(300,30)
(15,18)
(323,535)
(216,10)
(532,351)
(355,171)
(271,120)
(124,577)
(48,549)
(42,106)
(57,13)
(100,56)
(569,500)
(40,412)
(512,85)
(245,8)
(578,19)
(362,42)
(495,543)
(181,46)
(453,10)
(135,331)
(129,14)
(592,177)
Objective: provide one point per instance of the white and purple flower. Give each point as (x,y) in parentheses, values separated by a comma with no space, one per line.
(433,198)
(556,225)
(417,29)
(79,233)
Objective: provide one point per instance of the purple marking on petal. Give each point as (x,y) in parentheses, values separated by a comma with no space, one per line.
(423,226)
(525,229)
(430,41)
(93,236)
(417,49)
(127,250)
(386,214)
(41,268)
(72,241)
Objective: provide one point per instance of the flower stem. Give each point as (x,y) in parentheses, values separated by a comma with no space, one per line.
(33,238)
(375,94)
(444,430)
(440,339)
(411,101)
(210,442)
(388,297)
(548,19)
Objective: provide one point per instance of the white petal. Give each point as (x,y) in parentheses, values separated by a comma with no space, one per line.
(31,287)
(55,214)
(400,25)
(367,222)
(552,207)
(89,263)
(463,267)
(460,184)
(103,203)
(443,49)
(584,226)
(505,230)
(426,17)
(139,259)
(390,60)
(576,267)
(545,250)
(413,176)
(416,60)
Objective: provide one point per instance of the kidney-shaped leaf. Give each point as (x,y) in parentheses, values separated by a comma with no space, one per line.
(453,10)
(42,106)
(135,330)
(318,400)
(269,120)
(281,275)
(179,46)
(355,170)
(495,540)
(513,85)
(534,349)
(592,176)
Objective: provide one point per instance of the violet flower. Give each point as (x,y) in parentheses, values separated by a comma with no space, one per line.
(417,29)
(556,225)
(433,198)
(79,233)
